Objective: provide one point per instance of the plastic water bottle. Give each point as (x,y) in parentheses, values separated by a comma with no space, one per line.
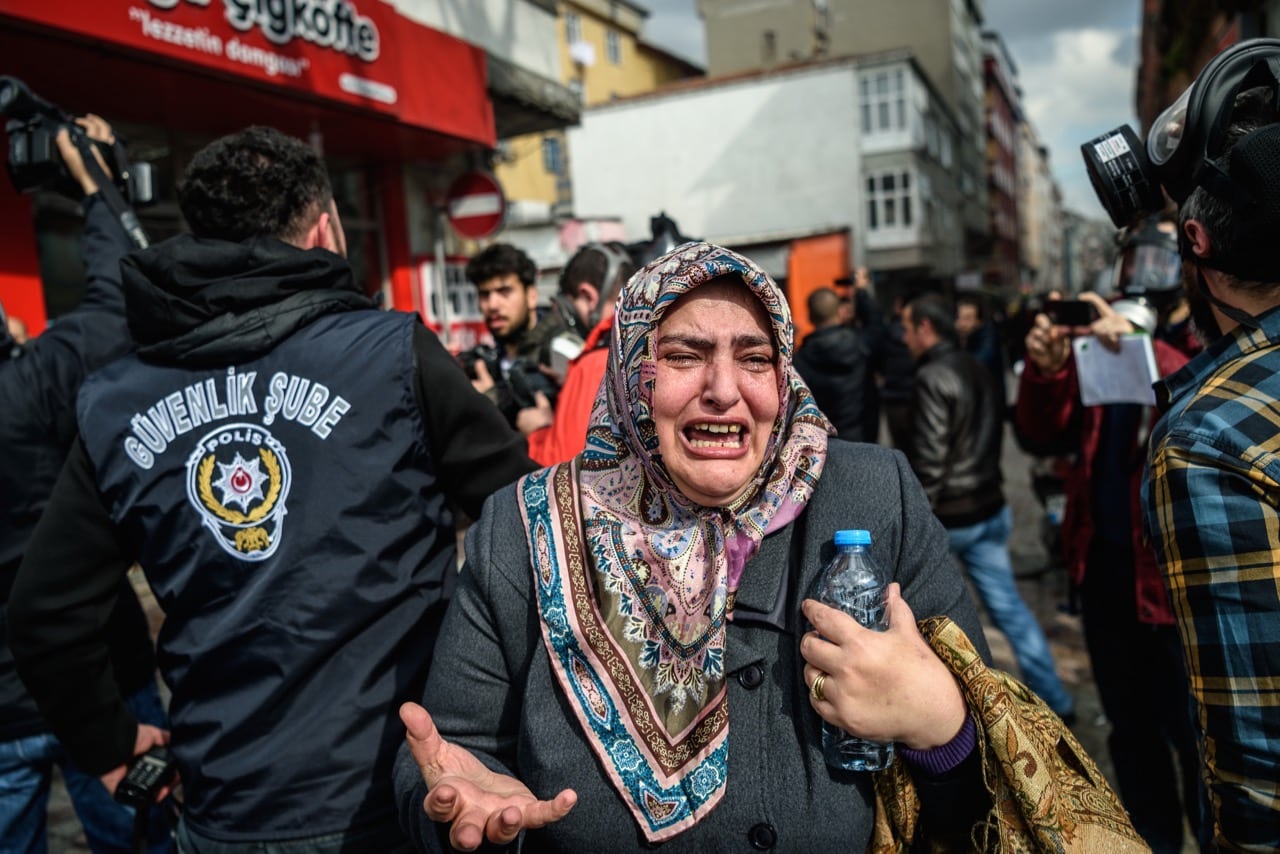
(854,583)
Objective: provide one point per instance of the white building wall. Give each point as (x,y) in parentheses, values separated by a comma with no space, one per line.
(520,32)
(767,156)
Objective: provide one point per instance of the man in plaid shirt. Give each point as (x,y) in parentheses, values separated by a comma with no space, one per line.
(1213,497)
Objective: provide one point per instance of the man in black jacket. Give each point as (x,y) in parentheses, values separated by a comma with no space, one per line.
(836,365)
(281,459)
(957,429)
(38,384)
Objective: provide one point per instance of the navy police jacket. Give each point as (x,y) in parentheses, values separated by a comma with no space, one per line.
(284,477)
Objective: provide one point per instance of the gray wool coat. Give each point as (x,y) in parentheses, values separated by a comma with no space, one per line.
(492,689)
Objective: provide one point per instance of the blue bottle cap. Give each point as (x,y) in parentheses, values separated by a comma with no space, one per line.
(853,538)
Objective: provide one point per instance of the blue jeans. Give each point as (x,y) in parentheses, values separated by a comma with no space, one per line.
(984,550)
(26,771)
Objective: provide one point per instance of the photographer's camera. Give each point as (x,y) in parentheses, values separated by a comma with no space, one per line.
(34,162)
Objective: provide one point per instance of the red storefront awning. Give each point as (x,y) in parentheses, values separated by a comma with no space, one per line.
(400,88)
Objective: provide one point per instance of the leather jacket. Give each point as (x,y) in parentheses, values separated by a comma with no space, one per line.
(957,428)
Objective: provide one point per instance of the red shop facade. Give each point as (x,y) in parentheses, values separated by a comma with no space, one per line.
(377,93)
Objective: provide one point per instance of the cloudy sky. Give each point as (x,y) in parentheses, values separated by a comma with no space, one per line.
(1076,65)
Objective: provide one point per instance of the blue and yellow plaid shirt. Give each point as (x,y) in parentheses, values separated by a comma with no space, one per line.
(1212,503)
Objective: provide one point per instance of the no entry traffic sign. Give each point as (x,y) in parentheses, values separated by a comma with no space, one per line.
(476,205)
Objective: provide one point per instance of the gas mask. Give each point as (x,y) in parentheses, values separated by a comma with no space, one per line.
(1147,274)
(614,259)
(1186,141)
(568,345)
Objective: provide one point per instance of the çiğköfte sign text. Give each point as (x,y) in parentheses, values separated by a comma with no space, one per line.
(334,24)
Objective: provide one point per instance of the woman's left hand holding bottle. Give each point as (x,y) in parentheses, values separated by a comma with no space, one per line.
(884,686)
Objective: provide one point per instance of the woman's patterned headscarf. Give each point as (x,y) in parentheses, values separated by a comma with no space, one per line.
(635,581)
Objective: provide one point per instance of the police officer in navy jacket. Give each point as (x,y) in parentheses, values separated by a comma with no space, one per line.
(284,461)
(38,385)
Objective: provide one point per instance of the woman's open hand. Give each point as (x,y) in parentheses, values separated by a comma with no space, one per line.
(885,686)
(478,803)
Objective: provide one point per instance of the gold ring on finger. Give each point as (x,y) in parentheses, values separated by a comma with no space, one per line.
(815,690)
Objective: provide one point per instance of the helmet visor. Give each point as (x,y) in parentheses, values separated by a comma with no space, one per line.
(1166,132)
(1155,268)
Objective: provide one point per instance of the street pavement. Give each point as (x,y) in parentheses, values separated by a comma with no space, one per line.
(1043,585)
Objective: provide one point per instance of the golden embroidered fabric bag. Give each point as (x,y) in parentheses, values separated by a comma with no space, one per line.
(1046,793)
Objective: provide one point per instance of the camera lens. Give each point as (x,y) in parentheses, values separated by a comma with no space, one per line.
(9,92)
(1122,176)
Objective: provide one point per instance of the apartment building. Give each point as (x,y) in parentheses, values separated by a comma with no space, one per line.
(600,55)
(811,169)
(1039,216)
(1179,38)
(944,36)
(1003,109)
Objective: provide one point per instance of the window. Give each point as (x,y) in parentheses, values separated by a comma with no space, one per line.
(552,156)
(769,47)
(884,102)
(900,99)
(925,187)
(464,299)
(613,47)
(889,201)
(353,193)
(572,28)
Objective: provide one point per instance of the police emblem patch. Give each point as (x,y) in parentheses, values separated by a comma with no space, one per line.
(238,479)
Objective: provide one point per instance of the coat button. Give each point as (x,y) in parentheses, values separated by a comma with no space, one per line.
(751,676)
(763,837)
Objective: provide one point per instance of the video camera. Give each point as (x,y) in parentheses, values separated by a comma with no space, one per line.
(34,161)
(480,353)
(516,386)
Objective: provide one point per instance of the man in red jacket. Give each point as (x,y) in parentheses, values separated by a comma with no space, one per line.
(1129,629)
(591,282)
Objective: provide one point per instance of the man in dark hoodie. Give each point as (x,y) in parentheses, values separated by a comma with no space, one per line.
(835,363)
(281,458)
(38,384)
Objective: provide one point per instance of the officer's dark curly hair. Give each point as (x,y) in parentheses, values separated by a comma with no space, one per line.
(502,259)
(255,183)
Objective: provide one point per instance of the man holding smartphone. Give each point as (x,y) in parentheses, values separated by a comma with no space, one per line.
(1128,622)
(1070,312)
